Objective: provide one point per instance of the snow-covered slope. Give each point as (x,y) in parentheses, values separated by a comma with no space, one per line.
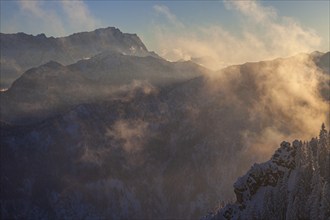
(293,184)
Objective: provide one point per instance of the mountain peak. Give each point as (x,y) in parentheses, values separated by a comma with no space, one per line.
(34,51)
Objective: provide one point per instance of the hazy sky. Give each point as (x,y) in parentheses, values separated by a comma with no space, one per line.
(165,26)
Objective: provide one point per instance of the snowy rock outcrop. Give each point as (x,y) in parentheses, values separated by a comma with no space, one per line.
(291,185)
(265,174)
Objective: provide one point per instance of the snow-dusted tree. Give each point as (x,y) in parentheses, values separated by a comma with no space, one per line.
(322,153)
(308,169)
(325,202)
(301,196)
(251,212)
(281,197)
(313,144)
(314,199)
(298,197)
(300,154)
(269,211)
(327,168)
(291,211)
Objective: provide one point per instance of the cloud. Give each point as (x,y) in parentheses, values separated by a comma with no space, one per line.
(56,18)
(262,34)
(281,100)
(164,10)
(252,10)
(44,18)
(129,134)
(79,15)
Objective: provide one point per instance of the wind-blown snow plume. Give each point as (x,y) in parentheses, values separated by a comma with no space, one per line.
(281,98)
(79,15)
(262,30)
(76,17)
(162,9)
(45,18)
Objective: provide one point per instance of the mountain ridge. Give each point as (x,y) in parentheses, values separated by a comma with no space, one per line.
(21,51)
(55,86)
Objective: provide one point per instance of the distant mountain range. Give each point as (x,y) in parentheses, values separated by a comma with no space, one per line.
(123,135)
(20,52)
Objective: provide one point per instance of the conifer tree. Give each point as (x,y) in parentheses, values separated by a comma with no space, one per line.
(323,151)
(315,196)
(325,202)
(301,196)
(281,199)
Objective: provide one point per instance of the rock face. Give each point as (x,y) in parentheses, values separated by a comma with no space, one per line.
(20,52)
(265,174)
(290,185)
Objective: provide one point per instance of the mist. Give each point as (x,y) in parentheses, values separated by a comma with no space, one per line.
(241,114)
(282,100)
(126,134)
(260,35)
(44,17)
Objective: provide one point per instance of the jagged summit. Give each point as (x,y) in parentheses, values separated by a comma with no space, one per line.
(110,38)
(20,52)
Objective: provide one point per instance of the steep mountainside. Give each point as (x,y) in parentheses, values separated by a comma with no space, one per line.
(153,152)
(293,184)
(53,88)
(20,52)
(145,151)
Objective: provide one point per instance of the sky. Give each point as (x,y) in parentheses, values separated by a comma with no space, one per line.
(225,31)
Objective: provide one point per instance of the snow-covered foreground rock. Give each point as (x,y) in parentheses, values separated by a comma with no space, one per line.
(293,184)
